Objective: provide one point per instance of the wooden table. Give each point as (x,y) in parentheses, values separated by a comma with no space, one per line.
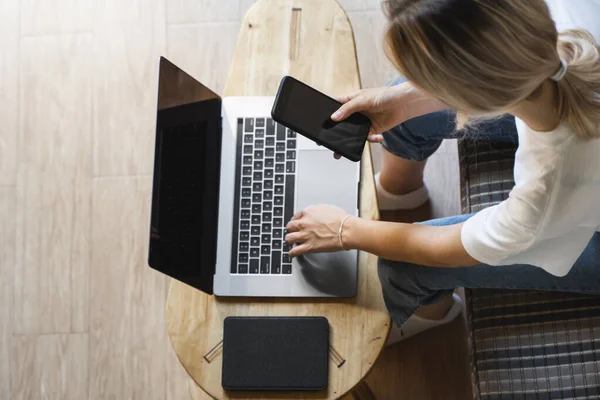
(313,41)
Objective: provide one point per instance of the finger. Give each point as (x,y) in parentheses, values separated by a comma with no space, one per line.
(293,226)
(349,108)
(299,250)
(298,215)
(375,138)
(296,237)
(347,97)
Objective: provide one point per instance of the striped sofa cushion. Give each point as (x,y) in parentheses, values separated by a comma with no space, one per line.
(524,344)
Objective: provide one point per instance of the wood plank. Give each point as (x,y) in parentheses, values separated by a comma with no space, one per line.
(50,367)
(128,341)
(54,185)
(375,69)
(180,386)
(432,365)
(214,42)
(193,11)
(39,17)
(269,38)
(8,208)
(321,53)
(9,87)
(129,37)
(360,5)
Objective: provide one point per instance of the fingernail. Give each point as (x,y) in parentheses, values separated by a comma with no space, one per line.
(336,115)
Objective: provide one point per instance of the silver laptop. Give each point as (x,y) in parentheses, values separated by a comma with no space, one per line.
(227,180)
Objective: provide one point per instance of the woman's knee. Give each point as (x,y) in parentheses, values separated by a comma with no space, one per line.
(413,284)
(418,138)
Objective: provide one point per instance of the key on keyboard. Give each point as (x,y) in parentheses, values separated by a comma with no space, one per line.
(265,176)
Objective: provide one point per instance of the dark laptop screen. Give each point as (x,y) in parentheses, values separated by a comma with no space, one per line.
(186,179)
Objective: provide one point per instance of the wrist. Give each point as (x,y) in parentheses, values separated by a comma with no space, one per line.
(415,102)
(404,95)
(350,233)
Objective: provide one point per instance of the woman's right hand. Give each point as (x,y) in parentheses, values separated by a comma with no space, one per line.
(384,107)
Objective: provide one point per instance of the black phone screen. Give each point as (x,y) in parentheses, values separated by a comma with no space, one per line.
(308,112)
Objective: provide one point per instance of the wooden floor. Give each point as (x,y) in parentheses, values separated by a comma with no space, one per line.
(81,315)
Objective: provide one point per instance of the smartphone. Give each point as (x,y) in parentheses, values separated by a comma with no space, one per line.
(308,112)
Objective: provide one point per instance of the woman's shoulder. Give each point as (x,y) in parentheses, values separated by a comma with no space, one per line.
(541,153)
(556,164)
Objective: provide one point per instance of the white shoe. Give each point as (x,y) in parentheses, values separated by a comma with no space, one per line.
(415,325)
(389,201)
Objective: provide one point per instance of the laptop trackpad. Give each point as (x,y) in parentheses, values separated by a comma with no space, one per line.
(325,180)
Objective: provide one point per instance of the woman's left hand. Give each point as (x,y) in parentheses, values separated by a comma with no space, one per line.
(315,230)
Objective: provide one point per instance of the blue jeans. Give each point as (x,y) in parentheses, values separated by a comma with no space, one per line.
(407,286)
(420,137)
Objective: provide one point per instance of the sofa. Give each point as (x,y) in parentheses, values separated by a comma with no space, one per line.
(524,344)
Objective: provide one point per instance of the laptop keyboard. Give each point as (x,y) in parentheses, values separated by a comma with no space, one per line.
(265,182)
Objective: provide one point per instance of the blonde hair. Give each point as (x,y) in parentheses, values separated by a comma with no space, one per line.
(482,57)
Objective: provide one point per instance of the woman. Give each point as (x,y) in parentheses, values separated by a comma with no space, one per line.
(483,59)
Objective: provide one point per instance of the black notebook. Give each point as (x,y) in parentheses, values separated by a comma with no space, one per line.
(275,353)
